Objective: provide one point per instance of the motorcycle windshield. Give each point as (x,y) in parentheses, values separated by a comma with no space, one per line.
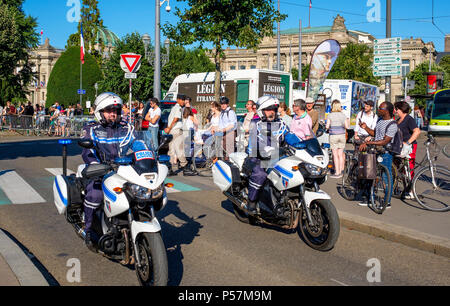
(309,143)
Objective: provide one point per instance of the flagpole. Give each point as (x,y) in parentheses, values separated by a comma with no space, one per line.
(81,83)
(309,22)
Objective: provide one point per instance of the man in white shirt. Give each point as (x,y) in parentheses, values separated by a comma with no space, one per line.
(367,116)
(153,116)
(176,146)
(227,126)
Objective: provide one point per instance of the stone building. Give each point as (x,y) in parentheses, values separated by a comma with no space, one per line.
(415,51)
(44,58)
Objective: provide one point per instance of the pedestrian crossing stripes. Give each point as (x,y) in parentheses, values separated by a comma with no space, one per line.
(14,189)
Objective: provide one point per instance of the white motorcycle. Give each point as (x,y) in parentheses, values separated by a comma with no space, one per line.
(129,231)
(291,196)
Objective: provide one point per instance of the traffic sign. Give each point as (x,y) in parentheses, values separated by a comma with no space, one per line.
(129,75)
(389,46)
(387,40)
(81,91)
(130,62)
(387,60)
(387,52)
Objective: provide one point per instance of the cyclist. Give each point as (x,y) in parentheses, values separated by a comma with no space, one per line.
(384,135)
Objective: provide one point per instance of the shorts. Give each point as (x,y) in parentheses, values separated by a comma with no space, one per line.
(337,141)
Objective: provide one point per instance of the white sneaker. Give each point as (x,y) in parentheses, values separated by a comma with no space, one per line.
(409,196)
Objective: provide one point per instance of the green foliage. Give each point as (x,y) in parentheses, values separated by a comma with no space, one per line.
(305,73)
(181,61)
(64,80)
(445,63)
(17,36)
(418,75)
(240,23)
(355,63)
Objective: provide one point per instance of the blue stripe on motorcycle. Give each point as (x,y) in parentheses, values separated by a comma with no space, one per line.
(284,172)
(60,193)
(223,172)
(109,194)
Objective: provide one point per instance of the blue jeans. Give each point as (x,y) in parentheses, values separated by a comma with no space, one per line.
(387,161)
(151,138)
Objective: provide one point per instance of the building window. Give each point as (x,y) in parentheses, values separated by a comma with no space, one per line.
(232,67)
(253,67)
(242,67)
(405,67)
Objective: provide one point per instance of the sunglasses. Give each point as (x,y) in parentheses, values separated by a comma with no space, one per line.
(382,108)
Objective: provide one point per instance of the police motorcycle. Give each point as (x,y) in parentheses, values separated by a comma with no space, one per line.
(291,198)
(133,189)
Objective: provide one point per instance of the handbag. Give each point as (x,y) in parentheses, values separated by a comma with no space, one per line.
(145,124)
(367,166)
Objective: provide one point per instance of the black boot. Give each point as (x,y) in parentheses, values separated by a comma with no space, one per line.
(187,171)
(251,207)
(90,242)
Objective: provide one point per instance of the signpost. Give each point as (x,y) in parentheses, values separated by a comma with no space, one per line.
(81,91)
(130,64)
(387,59)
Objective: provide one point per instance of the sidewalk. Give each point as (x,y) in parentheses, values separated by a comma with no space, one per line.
(16,269)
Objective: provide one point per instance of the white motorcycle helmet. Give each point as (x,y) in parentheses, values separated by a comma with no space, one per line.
(265,103)
(105,100)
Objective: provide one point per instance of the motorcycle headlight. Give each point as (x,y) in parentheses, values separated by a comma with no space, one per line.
(158,192)
(140,192)
(314,171)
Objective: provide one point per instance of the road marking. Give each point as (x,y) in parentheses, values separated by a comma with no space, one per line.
(17,189)
(340,283)
(180,187)
(58,171)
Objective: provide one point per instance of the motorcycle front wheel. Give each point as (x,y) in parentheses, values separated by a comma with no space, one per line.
(152,253)
(324,233)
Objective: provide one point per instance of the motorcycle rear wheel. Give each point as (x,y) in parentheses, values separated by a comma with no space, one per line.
(154,268)
(324,235)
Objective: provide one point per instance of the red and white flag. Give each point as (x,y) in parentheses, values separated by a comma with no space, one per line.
(310,4)
(82,45)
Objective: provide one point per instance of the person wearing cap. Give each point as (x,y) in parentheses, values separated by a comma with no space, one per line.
(227,126)
(301,124)
(312,113)
(367,116)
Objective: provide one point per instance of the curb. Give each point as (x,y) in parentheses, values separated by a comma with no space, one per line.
(415,239)
(26,272)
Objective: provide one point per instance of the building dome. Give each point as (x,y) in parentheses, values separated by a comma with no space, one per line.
(107,37)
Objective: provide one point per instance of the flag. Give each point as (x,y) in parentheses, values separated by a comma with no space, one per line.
(310,3)
(82,44)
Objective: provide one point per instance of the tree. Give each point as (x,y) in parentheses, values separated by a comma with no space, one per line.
(181,61)
(91,20)
(355,63)
(64,80)
(240,23)
(18,35)
(418,75)
(445,63)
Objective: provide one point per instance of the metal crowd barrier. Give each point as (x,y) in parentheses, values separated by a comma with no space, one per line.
(44,124)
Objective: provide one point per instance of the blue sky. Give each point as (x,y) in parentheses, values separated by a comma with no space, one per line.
(410,17)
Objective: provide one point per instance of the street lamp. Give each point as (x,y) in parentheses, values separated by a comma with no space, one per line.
(96,88)
(156,55)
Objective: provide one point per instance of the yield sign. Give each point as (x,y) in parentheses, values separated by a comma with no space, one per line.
(130,62)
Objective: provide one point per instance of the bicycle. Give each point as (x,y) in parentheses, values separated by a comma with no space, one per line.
(379,189)
(431,183)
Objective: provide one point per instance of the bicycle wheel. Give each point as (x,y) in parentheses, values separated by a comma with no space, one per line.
(432,196)
(446,150)
(350,180)
(381,189)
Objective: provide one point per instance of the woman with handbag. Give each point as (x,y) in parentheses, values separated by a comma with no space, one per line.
(338,124)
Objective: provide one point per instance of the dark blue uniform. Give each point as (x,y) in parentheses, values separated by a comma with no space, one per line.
(262,136)
(110,141)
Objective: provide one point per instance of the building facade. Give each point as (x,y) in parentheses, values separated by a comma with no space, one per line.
(415,51)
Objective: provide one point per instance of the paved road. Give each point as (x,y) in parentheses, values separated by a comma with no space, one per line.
(206,245)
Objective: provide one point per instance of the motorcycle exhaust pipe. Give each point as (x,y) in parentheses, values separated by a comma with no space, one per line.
(235,200)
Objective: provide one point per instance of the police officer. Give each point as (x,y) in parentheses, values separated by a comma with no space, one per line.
(111,136)
(266,136)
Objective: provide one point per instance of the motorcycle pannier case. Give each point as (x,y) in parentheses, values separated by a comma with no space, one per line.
(66,192)
(222,175)
(61,194)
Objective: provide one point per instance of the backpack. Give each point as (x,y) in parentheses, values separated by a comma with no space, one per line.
(396,145)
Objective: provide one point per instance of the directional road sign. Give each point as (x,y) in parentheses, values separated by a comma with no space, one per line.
(387,57)
(81,91)
(130,62)
(387,60)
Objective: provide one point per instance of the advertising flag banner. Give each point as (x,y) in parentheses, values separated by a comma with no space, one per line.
(323,60)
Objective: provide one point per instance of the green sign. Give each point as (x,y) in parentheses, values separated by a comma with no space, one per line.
(387,60)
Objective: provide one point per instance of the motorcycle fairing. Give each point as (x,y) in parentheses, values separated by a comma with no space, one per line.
(152,226)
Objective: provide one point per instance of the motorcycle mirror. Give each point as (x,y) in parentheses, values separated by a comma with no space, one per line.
(165,139)
(86,143)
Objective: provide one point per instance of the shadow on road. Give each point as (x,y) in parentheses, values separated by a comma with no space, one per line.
(175,234)
(36,148)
